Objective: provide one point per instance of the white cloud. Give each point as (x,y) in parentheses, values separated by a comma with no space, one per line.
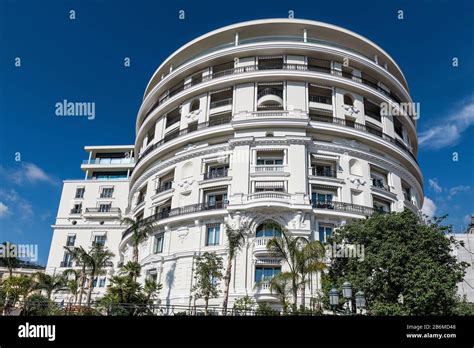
(450,131)
(29,173)
(22,207)
(434,185)
(3,210)
(456,189)
(429,207)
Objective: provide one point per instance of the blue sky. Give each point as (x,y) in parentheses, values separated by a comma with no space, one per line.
(82,60)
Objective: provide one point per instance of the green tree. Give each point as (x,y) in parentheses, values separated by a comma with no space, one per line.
(131,269)
(235,242)
(49,283)
(244,305)
(407,268)
(281,286)
(207,276)
(140,231)
(9,262)
(302,258)
(72,278)
(17,288)
(97,260)
(80,257)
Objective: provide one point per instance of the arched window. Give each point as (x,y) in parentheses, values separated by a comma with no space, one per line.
(268,229)
(269,134)
(348,100)
(194,105)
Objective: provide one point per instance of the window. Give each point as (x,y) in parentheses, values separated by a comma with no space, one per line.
(194,105)
(173,117)
(102,282)
(268,229)
(109,175)
(325,231)
(379,178)
(142,194)
(192,127)
(77,208)
(80,192)
(406,191)
(221,98)
(107,192)
(263,274)
(218,171)
(372,110)
(163,210)
(322,200)
(71,240)
(348,100)
(67,260)
(94,283)
(267,186)
(397,125)
(158,244)
(151,134)
(320,94)
(213,234)
(322,169)
(99,240)
(104,207)
(270,158)
(216,199)
(381,206)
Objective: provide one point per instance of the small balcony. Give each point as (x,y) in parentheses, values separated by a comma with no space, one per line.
(108,161)
(328,173)
(270,169)
(76,211)
(270,99)
(376,184)
(102,212)
(313,98)
(344,207)
(260,245)
(216,174)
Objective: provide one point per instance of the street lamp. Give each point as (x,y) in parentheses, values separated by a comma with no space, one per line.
(360,300)
(333,299)
(347,294)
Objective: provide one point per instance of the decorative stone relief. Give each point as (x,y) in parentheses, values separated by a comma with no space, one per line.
(182,233)
(350,110)
(357,181)
(192,115)
(185,185)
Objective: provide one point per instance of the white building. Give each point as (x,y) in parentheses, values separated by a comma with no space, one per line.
(465,253)
(90,209)
(270,120)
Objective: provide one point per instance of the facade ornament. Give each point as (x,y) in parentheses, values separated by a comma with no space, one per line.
(357,181)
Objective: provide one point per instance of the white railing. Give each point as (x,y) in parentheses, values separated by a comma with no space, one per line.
(269,168)
(261,241)
(268,195)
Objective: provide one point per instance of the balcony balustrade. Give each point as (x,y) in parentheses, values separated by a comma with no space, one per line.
(269,168)
(320,99)
(216,174)
(215,121)
(285,66)
(363,128)
(323,172)
(188,209)
(342,206)
(219,103)
(109,161)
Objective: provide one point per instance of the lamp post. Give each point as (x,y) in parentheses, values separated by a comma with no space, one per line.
(360,300)
(347,294)
(333,299)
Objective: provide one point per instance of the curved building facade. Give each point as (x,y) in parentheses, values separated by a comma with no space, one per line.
(277,120)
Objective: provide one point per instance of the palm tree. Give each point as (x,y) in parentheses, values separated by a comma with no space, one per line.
(140,231)
(281,285)
(131,269)
(97,260)
(309,258)
(17,288)
(150,289)
(235,241)
(9,262)
(80,257)
(72,284)
(49,283)
(286,246)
